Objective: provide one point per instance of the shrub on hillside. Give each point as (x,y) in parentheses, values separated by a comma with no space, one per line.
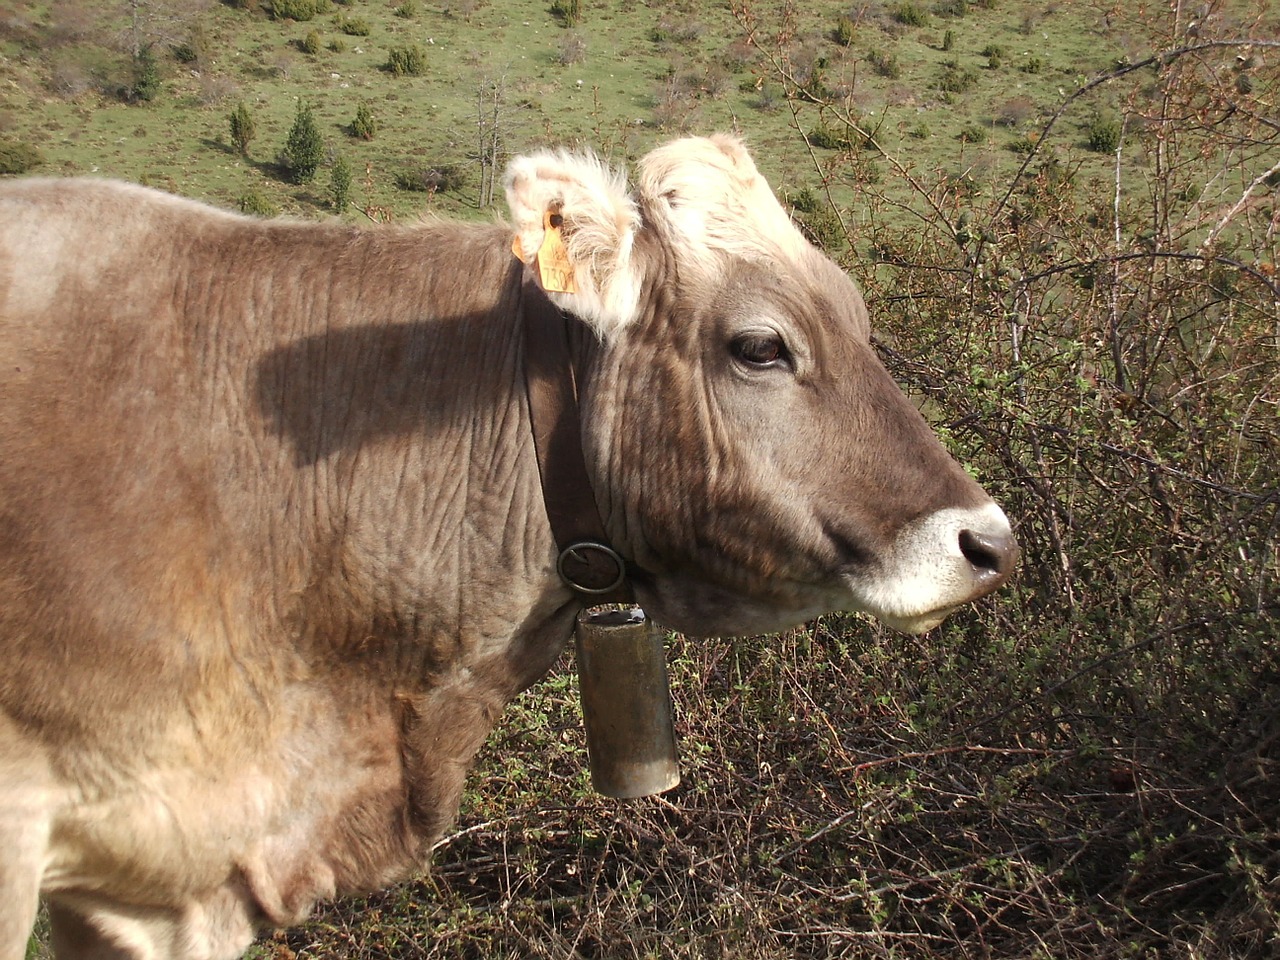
(569,11)
(301,10)
(910,14)
(354,26)
(258,204)
(844,31)
(365,124)
(18,157)
(145,85)
(1015,111)
(573,49)
(830,138)
(432,179)
(410,61)
(1104,133)
(304,148)
(885,64)
(243,129)
(955,78)
(310,44)
(340,180)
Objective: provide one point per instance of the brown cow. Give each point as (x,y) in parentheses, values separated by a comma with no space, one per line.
(273,549)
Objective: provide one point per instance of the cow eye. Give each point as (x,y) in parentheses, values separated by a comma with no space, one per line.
(760,350)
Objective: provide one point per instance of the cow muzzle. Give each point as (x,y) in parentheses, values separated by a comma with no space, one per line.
(937,565)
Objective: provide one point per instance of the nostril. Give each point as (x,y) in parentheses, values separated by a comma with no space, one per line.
(989,553)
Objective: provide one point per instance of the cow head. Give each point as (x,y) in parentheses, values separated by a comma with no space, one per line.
(749,451)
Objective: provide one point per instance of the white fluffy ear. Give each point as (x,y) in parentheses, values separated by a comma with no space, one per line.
(600,220)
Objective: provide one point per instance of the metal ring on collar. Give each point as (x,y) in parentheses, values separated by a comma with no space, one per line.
(572,551)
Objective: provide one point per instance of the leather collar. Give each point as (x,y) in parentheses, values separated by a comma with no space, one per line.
(586,562)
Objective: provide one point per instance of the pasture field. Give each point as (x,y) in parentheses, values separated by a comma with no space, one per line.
(626,76)
(1066,217)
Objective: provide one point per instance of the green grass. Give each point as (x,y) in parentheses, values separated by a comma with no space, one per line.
(682,67)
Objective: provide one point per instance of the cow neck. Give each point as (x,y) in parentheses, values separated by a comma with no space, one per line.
(586,562)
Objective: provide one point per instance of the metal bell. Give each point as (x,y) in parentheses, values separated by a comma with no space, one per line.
(626,703)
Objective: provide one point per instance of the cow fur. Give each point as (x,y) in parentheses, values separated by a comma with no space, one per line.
(273,551)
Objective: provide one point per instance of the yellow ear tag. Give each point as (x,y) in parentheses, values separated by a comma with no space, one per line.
(554,267)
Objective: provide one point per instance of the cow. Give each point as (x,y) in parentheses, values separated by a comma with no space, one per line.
(274,547)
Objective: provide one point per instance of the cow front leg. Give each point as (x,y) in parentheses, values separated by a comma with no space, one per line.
(25,791)
(76,938)
(19,900)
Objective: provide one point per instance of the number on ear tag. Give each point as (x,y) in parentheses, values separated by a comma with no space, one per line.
(554,268)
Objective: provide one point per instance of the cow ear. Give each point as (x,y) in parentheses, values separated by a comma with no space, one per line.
(578,195)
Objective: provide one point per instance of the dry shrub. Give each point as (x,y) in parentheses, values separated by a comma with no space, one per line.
(1015,111)
(1086,765)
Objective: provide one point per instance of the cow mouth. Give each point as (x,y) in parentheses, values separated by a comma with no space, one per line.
(917,625)
(937,565)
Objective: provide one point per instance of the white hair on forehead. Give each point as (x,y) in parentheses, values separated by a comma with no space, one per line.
(709,193)
(704,196)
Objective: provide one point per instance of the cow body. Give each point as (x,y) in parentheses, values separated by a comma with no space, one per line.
(273,549)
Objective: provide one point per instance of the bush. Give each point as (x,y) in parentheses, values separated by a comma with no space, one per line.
(365,125)
(408,61)
(948,40)
(257,203)
(885,64)
(1103,133)
(910,14)
(573,49)
(340,180)
(304,148)
(310,44)
(824,230)
(1032,65)
(1023,146)
(1015,111)
(972,133)
(300,10)
(956,79)
(827,138)
(407,10)
(431,179)
(569,11)
(18,157)
(146,77)
(354,26)
(844,31)
(243,129)
(805,201)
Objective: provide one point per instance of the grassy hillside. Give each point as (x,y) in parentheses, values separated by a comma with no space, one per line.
(627,75)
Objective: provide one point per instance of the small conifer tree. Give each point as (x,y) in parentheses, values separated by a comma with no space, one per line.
(340,184)
(146,76)
(243,128)
(365,125)
(303,149)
